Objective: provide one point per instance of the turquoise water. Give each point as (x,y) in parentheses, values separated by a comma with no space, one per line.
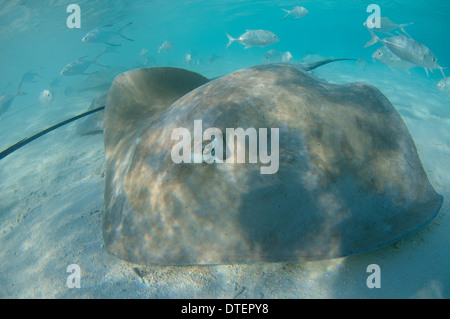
(35,36)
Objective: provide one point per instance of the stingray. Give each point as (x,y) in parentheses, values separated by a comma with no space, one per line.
(349,180)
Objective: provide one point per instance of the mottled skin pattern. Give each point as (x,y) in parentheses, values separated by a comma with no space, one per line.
(349,179)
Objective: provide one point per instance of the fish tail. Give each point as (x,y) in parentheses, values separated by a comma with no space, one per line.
(123,36)
(374,40)
(288,13)
(19,89)
(113,44)
(230,40)
(98,56)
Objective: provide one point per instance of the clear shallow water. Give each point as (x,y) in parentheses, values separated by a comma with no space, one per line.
(34,36)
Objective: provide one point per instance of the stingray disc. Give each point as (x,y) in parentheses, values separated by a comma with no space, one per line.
(349,178)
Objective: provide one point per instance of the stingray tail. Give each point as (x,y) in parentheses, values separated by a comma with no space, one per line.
(315,65)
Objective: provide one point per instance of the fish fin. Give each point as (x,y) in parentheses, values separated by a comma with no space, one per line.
(230,40)
(388,42)
(84,73)
(126,25)
(406,33)
(113,44)
(426,70)
(125,37)
(288,13)
(374,39)
(103,65)
(442,70)
(401,26)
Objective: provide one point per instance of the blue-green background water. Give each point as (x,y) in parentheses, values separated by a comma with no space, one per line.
(34,35)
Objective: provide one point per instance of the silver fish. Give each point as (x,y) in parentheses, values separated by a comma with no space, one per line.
(385,56)
(78,67)
(297,12)
(386,26)
(166,46)
(287,57)
(30,76)
(7,100)
(188,58)
(105,34)
(408,50)
(252,38)
(46,98)
(273,55)
(444,86)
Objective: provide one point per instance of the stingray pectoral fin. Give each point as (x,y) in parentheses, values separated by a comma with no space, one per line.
(158,88)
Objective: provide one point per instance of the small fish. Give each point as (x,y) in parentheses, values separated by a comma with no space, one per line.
(444,86)
(385,56)
(78,67)
(166,46)
(287,57)
(104,35)
(362,63)
(46,98)
(408,50)
(273,55)
(143,52)
(252,38)
(7,100)
(297,12)
(188,58)
(386,26)
(30,76)
(213,58)
(144,59)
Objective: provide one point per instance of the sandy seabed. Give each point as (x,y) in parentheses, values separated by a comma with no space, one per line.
(51,207)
